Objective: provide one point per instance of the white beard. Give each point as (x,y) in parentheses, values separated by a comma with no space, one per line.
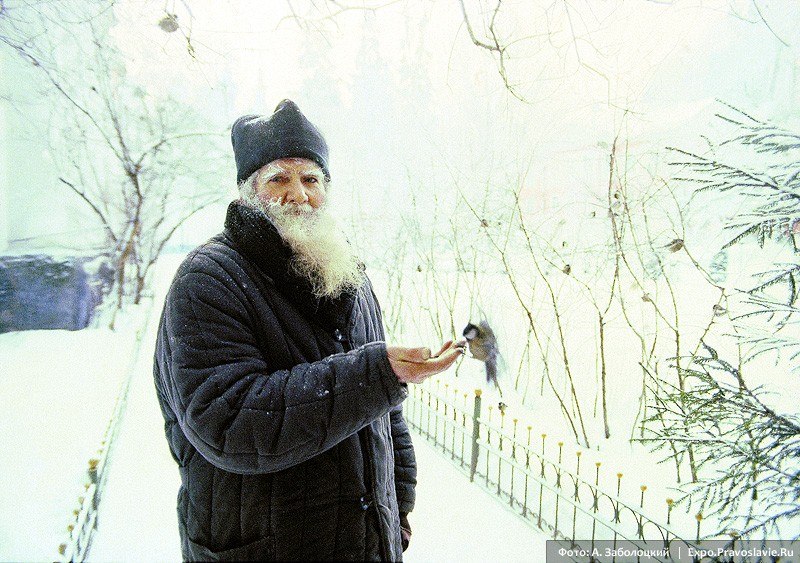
(321,253)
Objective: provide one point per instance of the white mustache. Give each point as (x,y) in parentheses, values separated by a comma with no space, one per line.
(275,207)
(321,252)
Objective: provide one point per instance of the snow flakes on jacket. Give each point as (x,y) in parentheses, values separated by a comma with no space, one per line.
(281,409)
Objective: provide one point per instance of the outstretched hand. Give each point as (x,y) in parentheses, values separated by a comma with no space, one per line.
(415,365)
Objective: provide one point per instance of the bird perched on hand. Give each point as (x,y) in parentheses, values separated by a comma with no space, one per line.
(482,346)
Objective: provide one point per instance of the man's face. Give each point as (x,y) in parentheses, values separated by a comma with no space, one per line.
(290,192)
(294,181)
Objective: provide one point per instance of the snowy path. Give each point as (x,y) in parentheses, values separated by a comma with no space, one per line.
(457,521)
(453,520)
(137,520)
(57,393)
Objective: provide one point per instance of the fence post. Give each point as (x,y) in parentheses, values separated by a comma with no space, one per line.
(464,431)
(699,519)
(428,416)
(488,442)
(514,460)
(410,403)
(558,492)
(527,471)
(595,499)
(455,423)
(476,434)
(576,497)
(640,519)
(94,479)
(541,484)
(445,419)
(436,416)
(93,463)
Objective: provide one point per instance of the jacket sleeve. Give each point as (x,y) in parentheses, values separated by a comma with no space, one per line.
(240,416)
(405,463)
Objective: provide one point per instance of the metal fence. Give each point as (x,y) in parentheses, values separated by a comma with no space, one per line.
(81,530)
(532,476)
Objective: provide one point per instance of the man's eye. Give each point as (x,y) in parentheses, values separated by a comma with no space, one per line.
(312,180)
(278,179)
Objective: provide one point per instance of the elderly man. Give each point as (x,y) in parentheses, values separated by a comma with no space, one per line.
(281,399)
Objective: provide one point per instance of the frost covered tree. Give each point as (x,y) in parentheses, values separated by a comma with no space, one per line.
(745,439)
(142,164)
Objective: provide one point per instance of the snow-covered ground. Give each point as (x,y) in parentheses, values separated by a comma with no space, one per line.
(137,520)
(62,392)
(50,377)
(425,299)
(57,394)
(453,519)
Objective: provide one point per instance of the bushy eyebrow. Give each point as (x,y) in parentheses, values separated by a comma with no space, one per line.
(315,173)
(275,169)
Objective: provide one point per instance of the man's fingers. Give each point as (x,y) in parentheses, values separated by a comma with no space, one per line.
(414,365)
(420,354)
(426,353)
(444,361)
(408,354)
(445,346)
(416,354)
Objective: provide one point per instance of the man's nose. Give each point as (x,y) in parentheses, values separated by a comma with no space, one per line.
(296,192)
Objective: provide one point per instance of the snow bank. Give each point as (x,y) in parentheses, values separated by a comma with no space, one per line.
(457,521)
(57,393)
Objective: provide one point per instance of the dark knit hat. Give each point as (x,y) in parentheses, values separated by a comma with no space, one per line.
(259,139)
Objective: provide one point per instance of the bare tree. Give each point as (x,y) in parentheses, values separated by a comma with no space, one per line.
(142,165)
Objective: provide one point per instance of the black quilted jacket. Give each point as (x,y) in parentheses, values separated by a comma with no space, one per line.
(281,410)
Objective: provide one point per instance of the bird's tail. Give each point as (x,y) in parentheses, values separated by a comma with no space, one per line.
(491,373)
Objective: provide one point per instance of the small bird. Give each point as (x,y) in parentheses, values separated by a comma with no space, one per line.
(482,345)
(675,245)
(169,23)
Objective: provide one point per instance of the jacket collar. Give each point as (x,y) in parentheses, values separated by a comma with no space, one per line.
(258,241)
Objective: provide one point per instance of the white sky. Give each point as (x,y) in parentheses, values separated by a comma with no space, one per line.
(403,96)
(407,102)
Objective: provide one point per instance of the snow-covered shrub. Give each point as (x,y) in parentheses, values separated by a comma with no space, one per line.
(736,412)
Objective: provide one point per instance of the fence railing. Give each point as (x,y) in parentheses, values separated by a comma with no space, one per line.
(533,477)
(81,530)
